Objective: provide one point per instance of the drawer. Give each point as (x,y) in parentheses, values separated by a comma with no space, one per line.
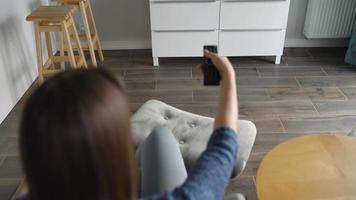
(252,43)
(254,14)
(182,44)
(184,14)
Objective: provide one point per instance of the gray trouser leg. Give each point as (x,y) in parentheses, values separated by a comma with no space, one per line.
(161,163)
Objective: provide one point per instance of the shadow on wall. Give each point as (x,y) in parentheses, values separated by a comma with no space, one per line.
(16,57)
(122,20)
(36,3)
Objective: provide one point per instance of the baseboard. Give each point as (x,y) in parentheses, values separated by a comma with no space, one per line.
(126,44)
(290,42)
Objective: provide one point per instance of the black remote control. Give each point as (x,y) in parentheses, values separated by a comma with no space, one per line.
(211,74)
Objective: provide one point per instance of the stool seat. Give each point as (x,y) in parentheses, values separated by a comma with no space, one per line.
(49,13)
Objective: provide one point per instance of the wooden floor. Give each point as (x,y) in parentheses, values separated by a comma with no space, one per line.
(312,91)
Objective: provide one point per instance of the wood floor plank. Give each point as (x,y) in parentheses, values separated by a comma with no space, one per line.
(281,71)
(329,81)
(244,94)
(118,54)
(252,94)
(349,92)
(206,95)
(270,82)
(10,126)
(9,146)
(321,124)
(254,162)
(311,61)
(340,70)
(269,125)
(267,61)
(318,93)
(296,52)
(266,142)
(239,71)
(179,84)
(207,110)
(145,53)
(277,108)
(190,62)
(9,131)
(336,52)
(336,107)
(244,72)
(118,72)
(116,63)
(140,84)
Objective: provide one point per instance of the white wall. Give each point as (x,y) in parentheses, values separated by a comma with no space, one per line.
(295,38)
(18,66)
(124,24)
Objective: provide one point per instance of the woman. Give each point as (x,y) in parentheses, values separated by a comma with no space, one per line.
(75,143)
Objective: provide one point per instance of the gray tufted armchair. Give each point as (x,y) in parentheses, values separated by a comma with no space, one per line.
(191,131)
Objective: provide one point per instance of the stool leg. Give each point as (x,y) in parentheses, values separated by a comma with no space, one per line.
(98,44)
(88,34)
(80,49)
(69,45)
(61,49)
(49,47)
(39,52)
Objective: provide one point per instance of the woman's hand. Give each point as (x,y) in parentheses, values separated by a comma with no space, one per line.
(222,64)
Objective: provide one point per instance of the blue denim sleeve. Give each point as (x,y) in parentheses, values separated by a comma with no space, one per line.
(209,177)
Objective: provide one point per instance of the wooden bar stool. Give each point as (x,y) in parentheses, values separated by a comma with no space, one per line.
(91,34)
(58,19)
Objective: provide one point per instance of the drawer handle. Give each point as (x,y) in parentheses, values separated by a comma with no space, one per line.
(248,30)
(198,30)
(251,0)
(183,1)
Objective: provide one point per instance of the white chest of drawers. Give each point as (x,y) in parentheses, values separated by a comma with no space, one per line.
(180,28)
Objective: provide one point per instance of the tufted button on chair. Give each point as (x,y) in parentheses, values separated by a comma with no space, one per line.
(191,131)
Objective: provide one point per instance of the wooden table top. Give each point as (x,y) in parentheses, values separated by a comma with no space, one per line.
(315,167)
(51,13)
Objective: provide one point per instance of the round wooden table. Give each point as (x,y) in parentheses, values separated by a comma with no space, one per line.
(315,167)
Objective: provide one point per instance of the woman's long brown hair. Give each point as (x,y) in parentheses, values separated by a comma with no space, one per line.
(75,139)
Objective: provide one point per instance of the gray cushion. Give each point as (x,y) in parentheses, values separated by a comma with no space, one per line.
(191,131)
